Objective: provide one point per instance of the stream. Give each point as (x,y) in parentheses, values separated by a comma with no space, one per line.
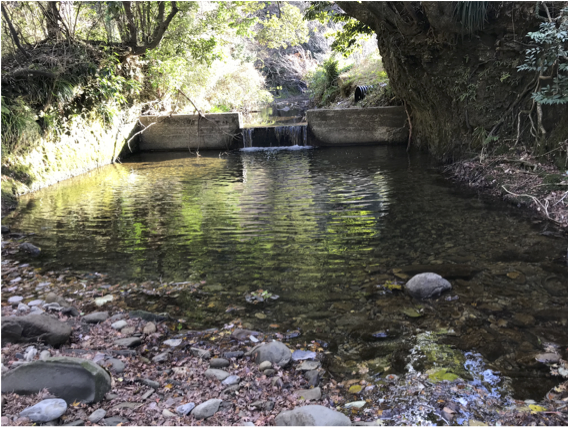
(316,243)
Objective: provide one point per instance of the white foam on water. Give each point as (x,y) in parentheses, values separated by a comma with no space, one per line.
(289,148)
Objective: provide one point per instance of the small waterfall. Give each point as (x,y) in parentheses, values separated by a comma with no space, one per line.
(247,137)
(291,135)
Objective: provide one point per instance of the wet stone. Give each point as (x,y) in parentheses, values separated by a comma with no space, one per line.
(303,355)
(162,357)
(427,285)
(203,354)
(15,300)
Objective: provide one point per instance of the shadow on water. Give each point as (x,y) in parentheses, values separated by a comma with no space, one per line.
(332,232)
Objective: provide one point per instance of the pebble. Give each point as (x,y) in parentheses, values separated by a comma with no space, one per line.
(119,325)
(235,354)
(23,308)
(231,380)
(173,343)
(45,411)
(167,413)
(162,357)
(129,330)
(96,317)
(128,342)
(36,302)
(15,300)
(312,377)
(216,373)
(265,365)
(311,394)
(303,355)
(357,404)
(114,421)
(204,354)
(150,328)
(185,409)
(30,354)
(36,310)
(269,372)
(277,382)
(96,416)
(206,409)
(309,365)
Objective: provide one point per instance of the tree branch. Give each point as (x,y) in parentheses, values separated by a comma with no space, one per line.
(132,42)
(13,32)
(160,30)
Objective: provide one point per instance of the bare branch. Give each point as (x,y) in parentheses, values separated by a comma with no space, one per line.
(13,32)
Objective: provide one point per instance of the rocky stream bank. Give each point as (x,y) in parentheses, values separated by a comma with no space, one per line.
(77,355)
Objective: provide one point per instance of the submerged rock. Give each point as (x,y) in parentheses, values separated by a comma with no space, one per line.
(312,415)
(34,327)
(45,411)
(427,285)
(30,249)
(68,378)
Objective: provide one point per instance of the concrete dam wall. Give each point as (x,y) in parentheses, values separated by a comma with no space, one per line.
(361,126)
(180,132)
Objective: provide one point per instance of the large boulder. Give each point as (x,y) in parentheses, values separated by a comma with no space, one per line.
(427,285)
(34,327)
(68,378)
(312,415)
(274,352)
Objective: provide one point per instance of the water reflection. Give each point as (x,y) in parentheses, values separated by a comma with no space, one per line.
(333,232)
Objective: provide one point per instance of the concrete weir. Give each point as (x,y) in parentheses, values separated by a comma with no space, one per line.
(180,132)
(357,126)
(354,126)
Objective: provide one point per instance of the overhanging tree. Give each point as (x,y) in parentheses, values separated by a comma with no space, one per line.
(456,67)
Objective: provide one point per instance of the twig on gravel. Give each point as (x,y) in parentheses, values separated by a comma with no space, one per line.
(538,202)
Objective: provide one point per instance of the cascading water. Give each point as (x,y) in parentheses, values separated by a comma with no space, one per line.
(291,135)
(247,137)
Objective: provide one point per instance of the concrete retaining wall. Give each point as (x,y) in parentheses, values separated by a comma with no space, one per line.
(179,132)
(354,126)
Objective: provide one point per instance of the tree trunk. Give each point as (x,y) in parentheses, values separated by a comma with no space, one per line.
(459,88)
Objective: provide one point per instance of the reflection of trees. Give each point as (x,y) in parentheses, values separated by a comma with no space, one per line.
(257,219)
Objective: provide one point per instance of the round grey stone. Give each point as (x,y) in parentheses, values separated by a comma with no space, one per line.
(119,325)
(98,415)
(231,380)
(274,352)
(427,285)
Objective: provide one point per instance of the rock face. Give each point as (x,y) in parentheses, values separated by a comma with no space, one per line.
(34,327)
(206,409)
(274,352)
(66,377)
(312,415)
(45,411)
(427,285)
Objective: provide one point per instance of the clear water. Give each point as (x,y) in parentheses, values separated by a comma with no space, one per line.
(323,229)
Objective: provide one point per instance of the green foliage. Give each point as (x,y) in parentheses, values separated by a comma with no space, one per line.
(322,84)
(549,59)
(19,127)
(283,30)
(346,40)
